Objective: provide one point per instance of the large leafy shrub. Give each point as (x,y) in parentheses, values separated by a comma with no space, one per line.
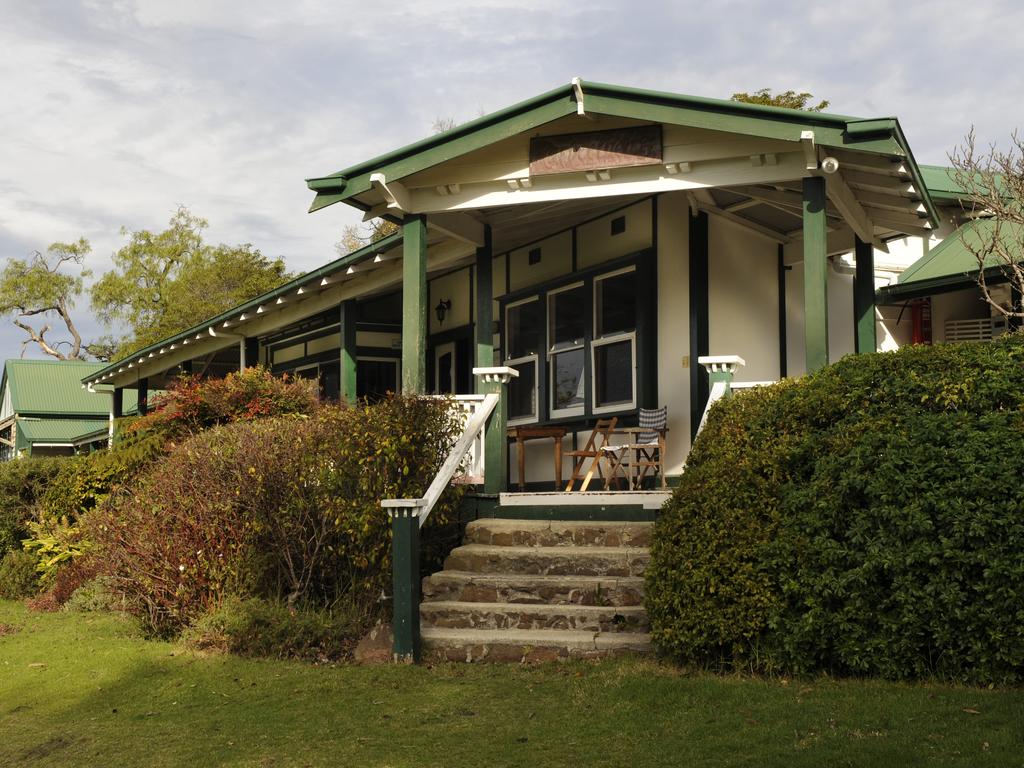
(867,519)
(22,484)
(285,508)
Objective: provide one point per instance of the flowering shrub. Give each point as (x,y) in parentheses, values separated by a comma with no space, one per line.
(285,508)
(191,404)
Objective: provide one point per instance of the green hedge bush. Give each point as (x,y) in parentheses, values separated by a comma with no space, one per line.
(283,509)
(23,483)
(867,520)
(18,575)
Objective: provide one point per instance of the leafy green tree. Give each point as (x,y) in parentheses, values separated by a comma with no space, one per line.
(354,237)
(786,99)
(37,290)
(164,282)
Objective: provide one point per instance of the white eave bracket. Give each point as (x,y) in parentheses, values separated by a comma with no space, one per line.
(394,192)
(577,89)
(810,151)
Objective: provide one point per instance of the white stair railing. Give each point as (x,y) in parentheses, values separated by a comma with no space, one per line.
(476,409)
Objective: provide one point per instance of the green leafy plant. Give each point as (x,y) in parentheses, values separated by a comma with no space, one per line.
(862,520)
(23,483)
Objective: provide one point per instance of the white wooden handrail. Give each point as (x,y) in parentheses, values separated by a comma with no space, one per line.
(472,435)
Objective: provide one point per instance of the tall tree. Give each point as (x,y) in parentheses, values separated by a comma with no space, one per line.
(786,99)
(993,182)
(38,290)
(164,282)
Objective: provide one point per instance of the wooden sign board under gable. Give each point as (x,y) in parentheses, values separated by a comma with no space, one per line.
(595,151)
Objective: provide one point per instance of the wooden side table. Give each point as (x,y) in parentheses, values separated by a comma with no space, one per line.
(522,434)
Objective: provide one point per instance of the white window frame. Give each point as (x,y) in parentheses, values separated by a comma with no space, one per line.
(581,344)
(600,341)
(534,358)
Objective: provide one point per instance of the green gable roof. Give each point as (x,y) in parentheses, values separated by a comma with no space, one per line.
(951,264)
(52,387)
(60,430)
(880,135)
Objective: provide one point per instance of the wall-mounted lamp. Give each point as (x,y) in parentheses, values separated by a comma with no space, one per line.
(442,309)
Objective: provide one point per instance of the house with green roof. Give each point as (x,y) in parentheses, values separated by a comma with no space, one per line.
(600,241)
(938,292)
(45,411)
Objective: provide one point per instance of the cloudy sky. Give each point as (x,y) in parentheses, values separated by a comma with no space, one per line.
(113,113)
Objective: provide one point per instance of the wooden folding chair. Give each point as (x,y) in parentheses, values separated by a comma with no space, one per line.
(650,445)
(602,431)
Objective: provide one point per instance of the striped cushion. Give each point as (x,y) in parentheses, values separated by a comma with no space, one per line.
(652,420)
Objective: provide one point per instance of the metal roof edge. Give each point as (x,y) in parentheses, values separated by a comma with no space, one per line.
(361,254)
(323,183)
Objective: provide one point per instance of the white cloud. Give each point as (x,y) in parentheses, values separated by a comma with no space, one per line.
(115,112)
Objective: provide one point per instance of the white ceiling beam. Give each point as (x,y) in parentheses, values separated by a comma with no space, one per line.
(460,226)
(753,226)
(845,201)
(810,151)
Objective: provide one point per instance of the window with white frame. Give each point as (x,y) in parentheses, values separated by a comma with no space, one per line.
(524,332)
(575,347)
(567,325)
(613,348)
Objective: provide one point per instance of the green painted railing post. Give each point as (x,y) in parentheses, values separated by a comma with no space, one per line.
(347,373)
(815,273)
(721,369)
(493,381)
(405,575)
(414,305)
(484,302)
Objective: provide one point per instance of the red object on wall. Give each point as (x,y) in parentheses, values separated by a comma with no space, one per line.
(921,315)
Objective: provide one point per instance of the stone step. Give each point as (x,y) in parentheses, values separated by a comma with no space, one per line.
(520,645)
(557,533)
(451,585)
(549,561)
(591,618)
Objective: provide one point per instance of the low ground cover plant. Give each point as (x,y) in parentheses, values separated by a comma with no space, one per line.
(867,519)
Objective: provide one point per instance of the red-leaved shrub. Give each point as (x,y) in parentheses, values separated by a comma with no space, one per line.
(279,508)
(192,404)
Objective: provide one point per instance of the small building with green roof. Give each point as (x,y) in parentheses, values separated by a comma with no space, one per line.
(46,411)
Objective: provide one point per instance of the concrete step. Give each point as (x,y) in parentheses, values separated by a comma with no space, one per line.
(556,533)
(549,561)
(452,585)
(591,618)
(520,645)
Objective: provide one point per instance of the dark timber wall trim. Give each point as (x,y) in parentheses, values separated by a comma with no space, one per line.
(484,302)
(699,317)
(864,297)
(783,351)
(143,399)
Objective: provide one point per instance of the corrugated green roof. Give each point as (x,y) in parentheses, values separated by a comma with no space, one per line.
(952,263)
(59,430)
(349,260)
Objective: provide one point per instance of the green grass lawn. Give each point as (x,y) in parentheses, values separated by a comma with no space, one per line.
(86,689)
